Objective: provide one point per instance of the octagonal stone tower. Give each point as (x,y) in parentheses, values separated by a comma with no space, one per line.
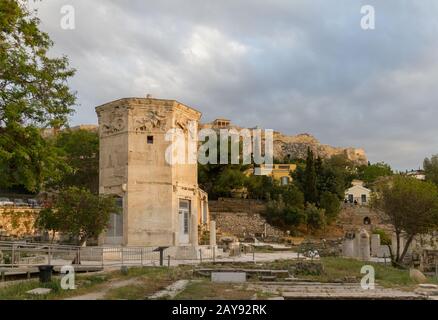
(162,203)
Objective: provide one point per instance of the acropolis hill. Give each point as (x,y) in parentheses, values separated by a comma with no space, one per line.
(285,146)
(295,147)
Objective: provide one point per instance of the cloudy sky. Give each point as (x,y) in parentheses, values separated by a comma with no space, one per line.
(291,65)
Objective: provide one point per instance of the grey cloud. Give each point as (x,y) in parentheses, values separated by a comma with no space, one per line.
(294,66)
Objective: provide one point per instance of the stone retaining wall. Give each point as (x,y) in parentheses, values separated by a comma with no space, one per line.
(241,218)
(17,222)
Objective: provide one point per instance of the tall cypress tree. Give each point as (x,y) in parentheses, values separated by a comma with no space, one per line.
(310,189)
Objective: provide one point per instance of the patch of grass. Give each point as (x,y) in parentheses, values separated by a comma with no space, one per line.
(174,273)
(386,276)
(336,269)
(206,290)
(151,279)
(18,291)
(132,292)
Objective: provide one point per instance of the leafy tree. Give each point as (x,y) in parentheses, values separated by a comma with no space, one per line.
(80,149)
(284,215)
(293,216)
(337,174)
(333,175)
(292,196)
(78,213)
(385,240)
(27,159)
(334,180)
(218,180)
(431,169)
(330,202)
(48,220)
(410,206)
(369,174)
(286,208)
(315,217)
(229,180)
(33,94)
(260,187)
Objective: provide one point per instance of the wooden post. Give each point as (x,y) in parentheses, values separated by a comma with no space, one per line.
(200,255)
(168,261)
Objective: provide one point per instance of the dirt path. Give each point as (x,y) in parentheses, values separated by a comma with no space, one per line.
(170,291)
(99,295)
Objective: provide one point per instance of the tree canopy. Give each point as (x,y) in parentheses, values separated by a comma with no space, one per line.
(34,94)
(80,151)
(370,174)
(431,169)
(410,206)
(79,213)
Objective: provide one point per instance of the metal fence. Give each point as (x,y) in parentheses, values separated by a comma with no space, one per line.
(24,254)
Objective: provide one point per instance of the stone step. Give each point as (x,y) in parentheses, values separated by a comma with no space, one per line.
(318,290)
(276,273)
(268,278)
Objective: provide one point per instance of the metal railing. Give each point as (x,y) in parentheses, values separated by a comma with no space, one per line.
(23,254)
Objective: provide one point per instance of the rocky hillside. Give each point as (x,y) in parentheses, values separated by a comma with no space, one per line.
(295,147)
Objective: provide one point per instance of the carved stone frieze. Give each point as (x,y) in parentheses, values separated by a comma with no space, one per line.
(152,120)
(114,123)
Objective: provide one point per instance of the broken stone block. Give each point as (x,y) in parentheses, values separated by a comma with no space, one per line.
(417,276)
(364,246)
(291,279)
(228,277)
(39,291)
(427,290)
(268,278)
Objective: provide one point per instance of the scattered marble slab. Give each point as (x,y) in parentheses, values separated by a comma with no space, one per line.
(268,278)
(228,277)
(39,291)
(317,290)
(427,290)
(171,291)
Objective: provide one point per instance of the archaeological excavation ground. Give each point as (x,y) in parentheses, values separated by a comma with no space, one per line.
(218,159)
